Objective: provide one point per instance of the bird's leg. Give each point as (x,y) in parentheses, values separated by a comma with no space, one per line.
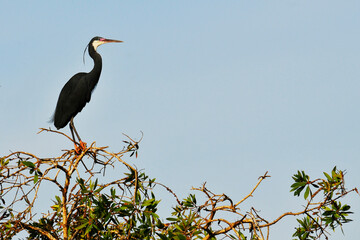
(77,149)
(82,145)
(72,133)
(72,127)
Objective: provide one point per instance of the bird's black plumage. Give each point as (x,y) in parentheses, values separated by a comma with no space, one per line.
(72,99)
(77,91)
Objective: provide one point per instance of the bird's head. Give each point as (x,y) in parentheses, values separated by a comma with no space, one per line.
(97,41)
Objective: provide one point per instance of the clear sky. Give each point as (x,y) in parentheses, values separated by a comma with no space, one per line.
(223,90)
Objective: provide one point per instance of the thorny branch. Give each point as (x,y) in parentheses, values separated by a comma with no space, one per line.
(251,220)
(22,174)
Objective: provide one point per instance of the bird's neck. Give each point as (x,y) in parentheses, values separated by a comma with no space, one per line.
(96,71)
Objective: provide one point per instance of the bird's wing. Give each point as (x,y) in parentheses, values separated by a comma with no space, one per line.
(72,99)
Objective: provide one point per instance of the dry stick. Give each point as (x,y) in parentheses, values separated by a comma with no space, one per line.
(231,226)
(136,142)
(321,228)
(69,172)
(64,209)
(304,211)
(232,208)
(54,131)
(287,214)
(256,225)
(113,182)
(170,191)
(212,213)
(252,191)
(43,232)
(268,227)
(129,166)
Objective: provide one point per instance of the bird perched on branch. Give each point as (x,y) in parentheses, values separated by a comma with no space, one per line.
(77,92)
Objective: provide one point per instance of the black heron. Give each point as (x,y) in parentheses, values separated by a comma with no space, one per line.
(77,92)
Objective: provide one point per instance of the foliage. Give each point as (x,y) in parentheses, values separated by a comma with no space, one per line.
(126,207)
(329,213)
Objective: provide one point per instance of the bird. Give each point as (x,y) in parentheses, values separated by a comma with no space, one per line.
(77,92)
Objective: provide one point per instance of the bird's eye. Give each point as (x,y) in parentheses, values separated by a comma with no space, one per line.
(102,39)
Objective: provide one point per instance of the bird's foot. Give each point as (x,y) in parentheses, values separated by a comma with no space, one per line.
(79,148)
(82,145)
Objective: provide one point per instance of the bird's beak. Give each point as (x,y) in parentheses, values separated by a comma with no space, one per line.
(110,40)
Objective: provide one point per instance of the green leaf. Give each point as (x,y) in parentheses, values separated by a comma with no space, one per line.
(36,177)
(345,208)
(307,191)
(328,176)
(28,164)
(298,184)
(180,236)
(82,226)
(88,229)
(148,202)
(162,236)
(172,219)
(58,199)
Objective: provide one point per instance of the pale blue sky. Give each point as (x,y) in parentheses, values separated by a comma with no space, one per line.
(223,90)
